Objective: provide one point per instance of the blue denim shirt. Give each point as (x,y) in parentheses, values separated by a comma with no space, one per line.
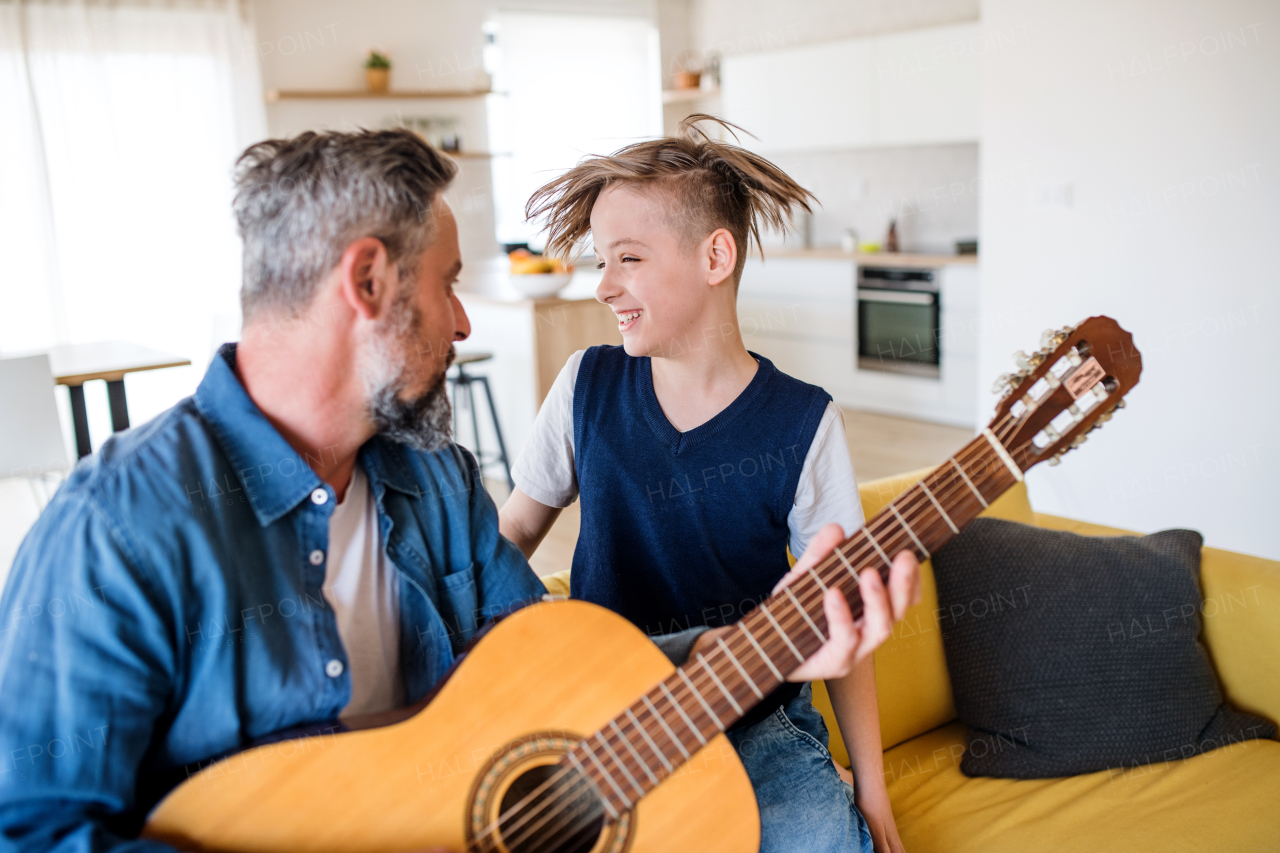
(166,608)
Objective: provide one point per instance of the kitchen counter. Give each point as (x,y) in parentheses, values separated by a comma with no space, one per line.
(489,280)
(873,259)
(530,338)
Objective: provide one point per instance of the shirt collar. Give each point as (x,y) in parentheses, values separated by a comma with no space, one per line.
(274,477)
(387,463)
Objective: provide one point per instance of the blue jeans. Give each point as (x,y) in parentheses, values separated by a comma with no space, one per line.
(804,804)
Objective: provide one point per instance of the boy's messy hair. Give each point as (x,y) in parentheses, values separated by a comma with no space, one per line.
(709,185)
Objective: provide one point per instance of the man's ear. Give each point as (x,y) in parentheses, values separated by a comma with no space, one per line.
(722,253)
(366,279)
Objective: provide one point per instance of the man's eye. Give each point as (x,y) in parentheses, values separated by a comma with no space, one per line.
(599,265)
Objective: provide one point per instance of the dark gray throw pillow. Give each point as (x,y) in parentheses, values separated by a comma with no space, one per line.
(1070,654)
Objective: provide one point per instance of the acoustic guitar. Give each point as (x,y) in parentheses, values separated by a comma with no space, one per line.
(565,729)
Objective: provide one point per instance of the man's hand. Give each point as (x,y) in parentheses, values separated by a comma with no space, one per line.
(848,641)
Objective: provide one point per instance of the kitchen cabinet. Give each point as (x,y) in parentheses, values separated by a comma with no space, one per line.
(799,310)
(810,98)
(916,87)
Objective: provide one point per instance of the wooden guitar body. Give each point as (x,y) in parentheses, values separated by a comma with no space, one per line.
(545,676)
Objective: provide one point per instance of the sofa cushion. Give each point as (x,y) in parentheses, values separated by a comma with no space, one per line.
(1221,800)
(1071,654)
(1241,617)
(911,673)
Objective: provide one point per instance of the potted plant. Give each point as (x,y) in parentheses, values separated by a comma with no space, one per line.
(377,71)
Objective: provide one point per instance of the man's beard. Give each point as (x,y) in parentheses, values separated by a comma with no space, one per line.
(423,422)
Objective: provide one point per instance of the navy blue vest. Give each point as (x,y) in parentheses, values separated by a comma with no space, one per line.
(685,529)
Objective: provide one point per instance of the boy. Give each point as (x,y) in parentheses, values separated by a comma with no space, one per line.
(698,463)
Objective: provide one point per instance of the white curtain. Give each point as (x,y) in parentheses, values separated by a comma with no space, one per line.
(119,125)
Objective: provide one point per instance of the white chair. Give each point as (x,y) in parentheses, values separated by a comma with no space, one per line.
(31,443)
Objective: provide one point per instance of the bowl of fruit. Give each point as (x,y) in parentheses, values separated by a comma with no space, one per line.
(537,275)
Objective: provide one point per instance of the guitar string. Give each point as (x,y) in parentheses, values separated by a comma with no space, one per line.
(911,513)
(951,485)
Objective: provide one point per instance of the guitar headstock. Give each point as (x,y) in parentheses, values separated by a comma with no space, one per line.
(1070,386)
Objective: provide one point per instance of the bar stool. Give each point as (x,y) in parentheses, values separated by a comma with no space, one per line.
(462,383)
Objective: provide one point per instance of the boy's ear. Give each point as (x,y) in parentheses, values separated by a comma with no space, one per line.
(722,253)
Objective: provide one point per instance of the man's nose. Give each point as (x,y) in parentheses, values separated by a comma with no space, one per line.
(462,324)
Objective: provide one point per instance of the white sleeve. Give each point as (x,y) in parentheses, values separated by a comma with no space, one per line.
(545,469)
(827,491)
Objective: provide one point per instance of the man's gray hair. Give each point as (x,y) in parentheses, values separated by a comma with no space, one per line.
(300,202)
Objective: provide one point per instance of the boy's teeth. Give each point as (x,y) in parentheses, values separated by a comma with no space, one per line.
(628,317)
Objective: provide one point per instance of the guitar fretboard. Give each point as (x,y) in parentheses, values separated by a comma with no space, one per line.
(662,730)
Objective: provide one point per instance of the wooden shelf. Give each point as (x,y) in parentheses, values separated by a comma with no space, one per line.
(682,96)
(274,95)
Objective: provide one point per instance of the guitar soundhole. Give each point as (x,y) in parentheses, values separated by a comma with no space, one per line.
(524,800)
(550,814)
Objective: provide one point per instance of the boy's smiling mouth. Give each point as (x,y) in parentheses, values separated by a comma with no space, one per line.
(627,319)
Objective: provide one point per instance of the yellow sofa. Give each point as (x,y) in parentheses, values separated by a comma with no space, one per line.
(1227,800)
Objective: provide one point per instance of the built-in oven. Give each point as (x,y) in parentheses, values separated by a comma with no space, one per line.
(898,315)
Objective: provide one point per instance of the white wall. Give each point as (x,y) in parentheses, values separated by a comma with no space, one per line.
(1130,154)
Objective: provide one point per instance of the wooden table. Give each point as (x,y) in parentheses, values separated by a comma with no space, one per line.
(75,364)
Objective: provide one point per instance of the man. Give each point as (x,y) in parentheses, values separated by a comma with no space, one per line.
(297,542)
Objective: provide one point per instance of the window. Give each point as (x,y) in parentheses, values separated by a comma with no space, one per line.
(121,125)
(577,85)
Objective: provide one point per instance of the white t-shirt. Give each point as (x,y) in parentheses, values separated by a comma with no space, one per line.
(826,493)
(363,590)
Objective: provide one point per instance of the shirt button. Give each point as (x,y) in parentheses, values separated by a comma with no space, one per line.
(333,668)
(319,496)
(316,557)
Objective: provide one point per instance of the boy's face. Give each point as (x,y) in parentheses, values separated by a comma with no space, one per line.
(657,286)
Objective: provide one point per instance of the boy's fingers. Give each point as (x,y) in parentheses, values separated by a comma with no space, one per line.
(877,618)
(904,583)
(819,547)
(837,654)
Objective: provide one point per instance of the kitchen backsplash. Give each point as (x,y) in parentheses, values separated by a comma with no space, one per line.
(932,191)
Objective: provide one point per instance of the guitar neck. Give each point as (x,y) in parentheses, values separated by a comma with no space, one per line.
(665,727)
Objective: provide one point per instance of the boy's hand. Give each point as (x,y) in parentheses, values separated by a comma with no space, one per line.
(849,641)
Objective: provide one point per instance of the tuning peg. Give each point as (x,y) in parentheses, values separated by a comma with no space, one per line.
(1021,359)
(1102,419)
(1119,405)
(1051,339)
(1056,460)
(1003,383)
(1079,440)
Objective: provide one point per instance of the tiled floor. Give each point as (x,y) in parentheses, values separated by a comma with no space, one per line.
(879,445)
